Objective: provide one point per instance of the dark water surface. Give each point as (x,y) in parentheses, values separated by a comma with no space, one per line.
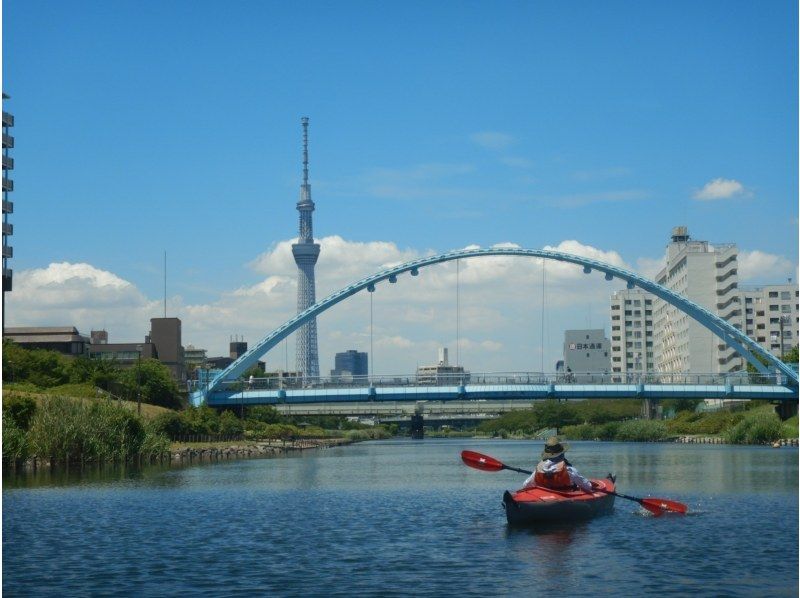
(405,518)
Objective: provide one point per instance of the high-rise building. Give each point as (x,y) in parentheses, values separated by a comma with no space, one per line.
(237,348)
(707,275)
(631,332)
(649,335)
(305,253)
(352,363)
(8,206)
(586,352)
(165,334)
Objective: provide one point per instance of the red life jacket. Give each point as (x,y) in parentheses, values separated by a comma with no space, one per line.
(557,479)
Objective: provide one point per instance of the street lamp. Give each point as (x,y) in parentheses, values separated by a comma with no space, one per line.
(138,390)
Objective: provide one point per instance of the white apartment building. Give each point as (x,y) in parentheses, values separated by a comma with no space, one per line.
(771,316)
(650,335)
(707,275)
(631,332)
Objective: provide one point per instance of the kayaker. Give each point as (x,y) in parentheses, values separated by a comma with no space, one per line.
(554,471)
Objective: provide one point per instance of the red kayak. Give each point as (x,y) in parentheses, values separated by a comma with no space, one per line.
(543,505)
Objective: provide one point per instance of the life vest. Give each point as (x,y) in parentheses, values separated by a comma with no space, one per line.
(552,479)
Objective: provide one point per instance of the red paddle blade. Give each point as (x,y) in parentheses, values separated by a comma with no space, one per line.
(479,461)
(659,506)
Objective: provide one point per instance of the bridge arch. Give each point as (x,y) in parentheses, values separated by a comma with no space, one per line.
(743,344)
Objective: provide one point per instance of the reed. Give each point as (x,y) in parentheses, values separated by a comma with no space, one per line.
(71,430)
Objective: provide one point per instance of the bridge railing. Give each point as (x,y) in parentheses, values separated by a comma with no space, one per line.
(274,383)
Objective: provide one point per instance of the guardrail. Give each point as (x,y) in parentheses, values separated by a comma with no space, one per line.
(493,379)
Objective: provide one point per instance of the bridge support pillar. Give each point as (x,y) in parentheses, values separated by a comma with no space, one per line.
(417,430)
(786,409)
(650,409)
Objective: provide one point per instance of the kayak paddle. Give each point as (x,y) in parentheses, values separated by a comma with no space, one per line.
(657,506)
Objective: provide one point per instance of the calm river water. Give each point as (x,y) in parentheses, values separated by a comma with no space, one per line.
(406,518)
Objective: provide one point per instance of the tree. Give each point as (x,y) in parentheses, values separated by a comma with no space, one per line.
(792,355)
(153,380)
(265,414)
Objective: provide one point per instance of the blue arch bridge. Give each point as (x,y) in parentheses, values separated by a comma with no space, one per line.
(373,395)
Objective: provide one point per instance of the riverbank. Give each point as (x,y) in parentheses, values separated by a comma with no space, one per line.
(184,453)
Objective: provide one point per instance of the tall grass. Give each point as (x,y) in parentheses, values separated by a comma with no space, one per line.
(100,431)
(756,427)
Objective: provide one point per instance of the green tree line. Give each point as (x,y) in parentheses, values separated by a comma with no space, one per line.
(39,369)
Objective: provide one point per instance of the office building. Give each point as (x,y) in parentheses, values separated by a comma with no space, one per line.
(165,334)
(586,352)
(63,339)
(350,364)
(442,372)
(631,332)
(193,357)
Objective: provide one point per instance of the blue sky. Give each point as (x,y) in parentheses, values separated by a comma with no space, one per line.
(145,127)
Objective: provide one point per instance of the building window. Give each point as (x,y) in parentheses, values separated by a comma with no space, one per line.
(786,295)
(786,308)
(773,308)
(773,294)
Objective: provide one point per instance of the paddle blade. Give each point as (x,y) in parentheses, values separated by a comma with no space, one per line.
(659,506)
(482,462)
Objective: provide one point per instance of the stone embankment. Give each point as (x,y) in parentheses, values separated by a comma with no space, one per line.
(717,440)
(192,454)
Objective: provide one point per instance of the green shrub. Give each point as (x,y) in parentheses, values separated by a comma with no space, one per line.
(169,424)
(641,430)
(580,432)
(20,409)
(714,422)
(229,424)
(756,427)
(790,429)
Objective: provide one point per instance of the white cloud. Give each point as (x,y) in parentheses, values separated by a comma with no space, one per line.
(500,304)
(492,140)
(79,295)
(649,267)
(719,189)
(758,266)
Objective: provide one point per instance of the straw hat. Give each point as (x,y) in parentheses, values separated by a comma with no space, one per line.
(553,448)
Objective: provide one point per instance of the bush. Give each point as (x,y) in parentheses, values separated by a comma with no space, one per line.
(169,424)
(790,428)
(757,427)
(580,432)
(641,430)
(714,422)
(20,410)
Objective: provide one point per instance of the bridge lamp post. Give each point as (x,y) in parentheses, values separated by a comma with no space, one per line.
(138,373)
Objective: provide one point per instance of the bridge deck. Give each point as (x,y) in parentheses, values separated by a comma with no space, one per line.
(516,392)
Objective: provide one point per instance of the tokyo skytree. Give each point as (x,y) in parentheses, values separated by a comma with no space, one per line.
(305,253)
